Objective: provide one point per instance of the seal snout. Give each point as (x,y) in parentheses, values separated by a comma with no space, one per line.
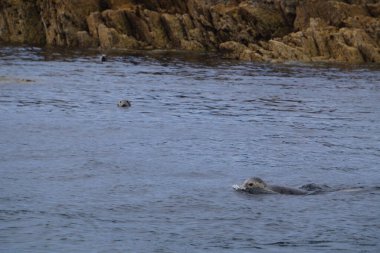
(124,103)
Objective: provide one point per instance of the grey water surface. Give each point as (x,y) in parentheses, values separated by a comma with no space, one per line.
(79,174)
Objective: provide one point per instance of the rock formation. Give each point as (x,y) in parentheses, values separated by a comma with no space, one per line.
(265,30)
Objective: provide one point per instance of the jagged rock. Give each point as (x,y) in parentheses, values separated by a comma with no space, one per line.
(282,51)
(323,42)
(62,20)
(20,22)
(374,9)
(268,30)
(362,42)
(173,28)
(265,22)
(331,12)
(158,36)
(93,22)
(85,40)
(288,9)
(368,24)
(110,38)
(232,49)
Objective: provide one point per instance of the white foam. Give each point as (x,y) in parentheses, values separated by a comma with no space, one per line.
(237,187)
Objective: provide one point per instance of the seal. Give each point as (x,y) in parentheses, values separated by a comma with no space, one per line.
(256,185)
(124,103)
(103,58)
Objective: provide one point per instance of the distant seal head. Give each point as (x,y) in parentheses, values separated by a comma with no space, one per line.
(256,185)
(103,58)
(124,103)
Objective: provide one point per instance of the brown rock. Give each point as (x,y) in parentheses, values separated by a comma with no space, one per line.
(331,12)
(232,49)
(267,23)
(374,9)
(20,22)
(62,20)
(282,51)
(110,38)
(140,28)
(360,40)
(85,40)
(173,29)
(192,45)
(368,24)
(93,22)
(269,30)
(117,19)
(119,4)
(238,51)
(159,38)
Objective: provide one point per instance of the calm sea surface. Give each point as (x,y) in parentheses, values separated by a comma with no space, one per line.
(79,174)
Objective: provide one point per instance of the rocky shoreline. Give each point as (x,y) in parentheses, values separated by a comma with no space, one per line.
(267,30)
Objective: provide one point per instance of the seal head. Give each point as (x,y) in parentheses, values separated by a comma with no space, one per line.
(124,103)
(254,185)
(103,58)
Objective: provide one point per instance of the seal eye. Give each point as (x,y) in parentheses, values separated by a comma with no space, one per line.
(250,184)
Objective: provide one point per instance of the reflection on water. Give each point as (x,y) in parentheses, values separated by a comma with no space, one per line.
(80,174)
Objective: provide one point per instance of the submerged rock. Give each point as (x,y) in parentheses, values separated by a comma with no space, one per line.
(270,30)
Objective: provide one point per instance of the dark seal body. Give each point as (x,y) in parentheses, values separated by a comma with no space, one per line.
(286,190)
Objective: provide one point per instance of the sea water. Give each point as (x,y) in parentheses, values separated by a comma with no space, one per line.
(79,174)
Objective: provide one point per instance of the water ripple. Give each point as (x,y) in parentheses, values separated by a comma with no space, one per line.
(80,174)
